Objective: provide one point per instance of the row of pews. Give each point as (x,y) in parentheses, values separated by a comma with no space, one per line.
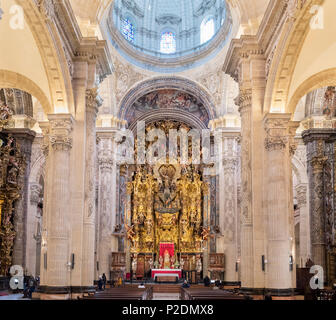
(122,293)
(208,293)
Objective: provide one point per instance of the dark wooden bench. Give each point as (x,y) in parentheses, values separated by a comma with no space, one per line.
(125,293)
(207,293)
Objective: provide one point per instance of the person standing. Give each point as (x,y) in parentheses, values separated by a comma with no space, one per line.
(104,280)
(100,284)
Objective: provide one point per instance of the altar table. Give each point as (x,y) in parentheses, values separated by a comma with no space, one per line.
(167,273)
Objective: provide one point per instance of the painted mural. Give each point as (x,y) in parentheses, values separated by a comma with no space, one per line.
(167,99)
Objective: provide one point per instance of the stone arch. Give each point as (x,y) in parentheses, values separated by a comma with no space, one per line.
(300,170)
(285,58)
(161,83)
(9,79)
(52,54)
(324,78)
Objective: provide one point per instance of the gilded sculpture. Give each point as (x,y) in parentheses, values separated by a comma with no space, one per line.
(166,209)
(12,166)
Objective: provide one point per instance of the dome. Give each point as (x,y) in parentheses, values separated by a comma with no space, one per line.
(169,34)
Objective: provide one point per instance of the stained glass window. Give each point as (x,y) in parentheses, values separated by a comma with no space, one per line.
(207,30)
(168,43)
(128,30)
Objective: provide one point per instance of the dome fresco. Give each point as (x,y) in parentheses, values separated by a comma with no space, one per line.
(158,32)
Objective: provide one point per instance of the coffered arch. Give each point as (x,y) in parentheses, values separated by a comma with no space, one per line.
(285,57)
(51,53)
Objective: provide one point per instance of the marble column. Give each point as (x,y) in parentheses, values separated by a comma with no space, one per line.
(88,256)
(24,138)
(57,227)
(107,243)
(279,216)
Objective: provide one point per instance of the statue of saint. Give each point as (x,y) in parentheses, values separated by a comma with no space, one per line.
(134,264)
(172,262)
(151,263)
(161,262)
(182,263)
(166,260)
(199,265)
(167,207)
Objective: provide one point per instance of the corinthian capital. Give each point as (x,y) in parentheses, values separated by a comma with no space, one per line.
(93,100)
(244,100)
(61,126)
(277,131)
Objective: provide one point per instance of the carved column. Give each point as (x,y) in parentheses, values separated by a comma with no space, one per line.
(33,230)
(316,140)
(107,243)
(88,258)
(318,239)
(227,243)
(247,259)
(45,127)
(280,274)
(302,196)
(24,138)
(57,226)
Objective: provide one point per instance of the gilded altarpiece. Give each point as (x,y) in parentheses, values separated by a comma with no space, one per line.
(12,166)
(168,204)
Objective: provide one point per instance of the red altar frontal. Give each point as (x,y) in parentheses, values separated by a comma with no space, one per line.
(167,273)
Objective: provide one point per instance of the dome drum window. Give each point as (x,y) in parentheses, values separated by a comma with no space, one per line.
(172,34)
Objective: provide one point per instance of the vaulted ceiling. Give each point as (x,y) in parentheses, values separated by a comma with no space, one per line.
(250,11)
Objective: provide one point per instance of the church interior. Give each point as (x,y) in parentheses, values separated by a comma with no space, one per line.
(181,149)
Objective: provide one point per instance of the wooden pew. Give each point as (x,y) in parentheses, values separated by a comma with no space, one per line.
(207,293)
(125,293)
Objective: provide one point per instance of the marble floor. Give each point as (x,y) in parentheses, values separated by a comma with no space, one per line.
(18,296)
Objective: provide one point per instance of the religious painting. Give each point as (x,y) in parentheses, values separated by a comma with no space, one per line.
(168,99)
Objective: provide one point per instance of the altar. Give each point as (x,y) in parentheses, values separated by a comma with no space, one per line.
(167,218)
(175,273)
